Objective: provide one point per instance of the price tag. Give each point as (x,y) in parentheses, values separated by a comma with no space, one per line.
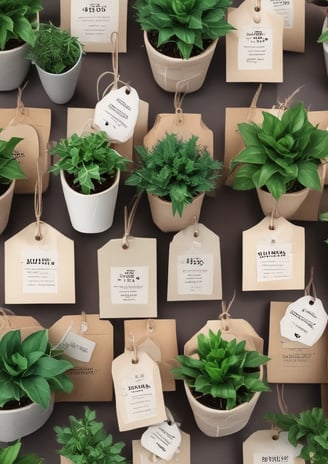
(163,440)
(76,347)
(304,320)
(116,113)
(273,261)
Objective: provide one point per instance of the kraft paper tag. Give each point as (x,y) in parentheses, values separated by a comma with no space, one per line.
(162,440)
(88,342)
(194,271)
(142,456)
(157,338)
(128,278)
(269,446)
(138,391)
(294,362)
(293,14)
(254,50)
(39,270)
(270,260)
(26,324)
(94,22)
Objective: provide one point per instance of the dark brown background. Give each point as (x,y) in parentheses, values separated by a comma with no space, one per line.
(227,215)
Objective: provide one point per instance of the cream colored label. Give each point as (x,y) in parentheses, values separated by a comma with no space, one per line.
(195,274)
(40,271)
(139,395)
(129,285)
(255,46)
(273,261)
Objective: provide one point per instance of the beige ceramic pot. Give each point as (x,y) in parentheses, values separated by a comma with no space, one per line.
(5,206)
(161,212)
(177,74)
(286,206)
(64,460)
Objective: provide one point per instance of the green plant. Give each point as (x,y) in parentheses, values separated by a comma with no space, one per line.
(54,49)
(88,159)
(30,370)
(85,441)
(309,428)
(176,170)
(9,166)
(11,455)
(223,373)
(282,154)
(324,217)
(18,19)
(187,23)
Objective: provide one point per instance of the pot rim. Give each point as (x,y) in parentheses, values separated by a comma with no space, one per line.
(94,195)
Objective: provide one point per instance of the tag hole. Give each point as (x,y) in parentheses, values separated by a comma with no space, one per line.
(275,437)
(106,123)
(127,91)
(311,302)
(135,361)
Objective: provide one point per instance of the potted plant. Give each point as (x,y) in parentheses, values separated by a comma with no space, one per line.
(175,174)
(180,38)
(323,37)
(223,381)
(10,170)
(85,441)
(281,156)
(19,18)
(58,57)
(309,429)
(89,171)
(30,372)
(11,454)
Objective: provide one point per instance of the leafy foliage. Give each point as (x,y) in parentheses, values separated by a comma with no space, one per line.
(324,217)
(280,153)
(223,369)
(9,166)
(30,369)
(86,442)
(54,49)
(175,169)
(186,22)
(323,37)
(11,455)
(89,159)
(18,20)
(309,429)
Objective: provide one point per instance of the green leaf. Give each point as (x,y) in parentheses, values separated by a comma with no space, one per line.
(37,341)
(37,389)
(308,175)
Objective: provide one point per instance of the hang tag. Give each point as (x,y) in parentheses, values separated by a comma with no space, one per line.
(76,347)
(116,113)
(138,391)
(163,440)
(194,271)
(143,456)
(304,321)
(264,446)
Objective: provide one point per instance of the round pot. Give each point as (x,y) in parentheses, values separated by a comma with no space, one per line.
(286,206)
(5,205)
(161,212)
(17,423)
(177,74)
(60,88)
(13,67)
(325,44)
(92,213)
(64,460)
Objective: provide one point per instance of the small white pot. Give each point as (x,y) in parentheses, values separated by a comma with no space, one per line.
(177,74)
(5,206)
(17,423)
(92,213)
(60,88)
(13,67)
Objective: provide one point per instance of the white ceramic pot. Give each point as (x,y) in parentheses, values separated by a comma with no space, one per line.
(5,206)
(92,213)
(286,206)
(13,67)
(60,88)
(17,423)
(325,44)
(173,74)
(161,212)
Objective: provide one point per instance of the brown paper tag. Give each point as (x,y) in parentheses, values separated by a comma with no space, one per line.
(270,260)
(95,22)
(194,265)
(26,324)
(39,270)
(138,391)
(128,278)
(293,362)
(142,456)
(254,50)
(92,378)
(158,339)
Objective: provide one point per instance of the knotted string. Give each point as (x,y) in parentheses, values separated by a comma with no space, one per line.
(128,221)
(225,315)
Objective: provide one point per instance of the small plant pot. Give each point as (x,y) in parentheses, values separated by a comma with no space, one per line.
(17,423)
(161,212)
(64,460)
(5,205)
(286,206)
(173,74)
(92,213)
(13,67)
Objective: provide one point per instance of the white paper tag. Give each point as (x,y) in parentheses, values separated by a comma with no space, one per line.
(129,285)
(255,46)
(76,347)
(273,261)
(116,113)
(195,273)
(304,321)
(163,440)
(285,8)
(40,271)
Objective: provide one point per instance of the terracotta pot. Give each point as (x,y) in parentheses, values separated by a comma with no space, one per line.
(161,212)
(13,67)
(5,206)
(173,74)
